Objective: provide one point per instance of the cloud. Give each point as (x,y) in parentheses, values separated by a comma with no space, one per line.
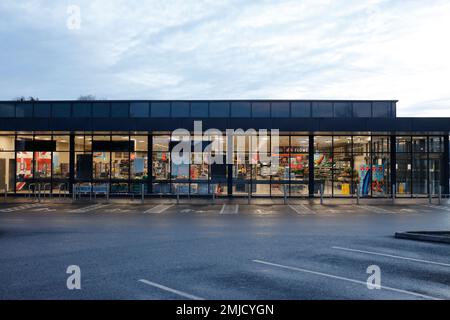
(230,49)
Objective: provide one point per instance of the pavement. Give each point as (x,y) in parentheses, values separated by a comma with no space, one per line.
(226,250)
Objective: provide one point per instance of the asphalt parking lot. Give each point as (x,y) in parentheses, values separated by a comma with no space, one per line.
(221,251)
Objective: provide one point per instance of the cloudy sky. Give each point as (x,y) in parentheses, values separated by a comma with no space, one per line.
(229,49)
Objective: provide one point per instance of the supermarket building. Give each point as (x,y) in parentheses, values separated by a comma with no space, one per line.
(124,146)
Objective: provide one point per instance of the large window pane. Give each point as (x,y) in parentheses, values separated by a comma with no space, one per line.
(322,109)
(138,158)
(7,160)
(420,173)
(301,109)
(403,167)
(24,167)
(280,109)
(43,165)
(240,109)
(403,144)
(60,165)
(323,164)
(161,158)
(160,109)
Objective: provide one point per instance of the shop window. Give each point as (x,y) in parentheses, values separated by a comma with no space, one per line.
(403,144)
(138,158)
(7,165)
(381,143)
(60,164)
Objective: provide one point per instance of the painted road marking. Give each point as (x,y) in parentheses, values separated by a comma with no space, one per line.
(364,283)
(301,209)
(43,209)
(90,208)
(229,209)
(119,210)
(392,256)
(21,207)
(375,209)
(160,208)
(178,292)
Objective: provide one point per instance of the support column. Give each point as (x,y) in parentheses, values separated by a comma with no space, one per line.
(150,163)
(445,167)
(311,166)
(393,160)
(71,161)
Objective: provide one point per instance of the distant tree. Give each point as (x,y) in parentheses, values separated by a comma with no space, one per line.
(22,98)
(87,97)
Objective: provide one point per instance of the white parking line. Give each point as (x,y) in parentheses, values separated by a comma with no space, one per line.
(344,279)
(160,208)
(392,256)
(43,209)
(21,207)
(180,293)
(90,208)
(229,209)
(298,210)
(375,209)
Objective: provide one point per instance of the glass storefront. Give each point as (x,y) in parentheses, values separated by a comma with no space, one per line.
(342,164)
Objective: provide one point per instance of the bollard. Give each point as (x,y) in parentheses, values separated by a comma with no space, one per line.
(249,193)
(213,194)
(321,193)
(142,192)
(90,191)
(39,192)
(177,189)
(6,191)
(285,194)
(74,192)
(430,200)
(440,195)
(394,188)
(357,194)
(107,192)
